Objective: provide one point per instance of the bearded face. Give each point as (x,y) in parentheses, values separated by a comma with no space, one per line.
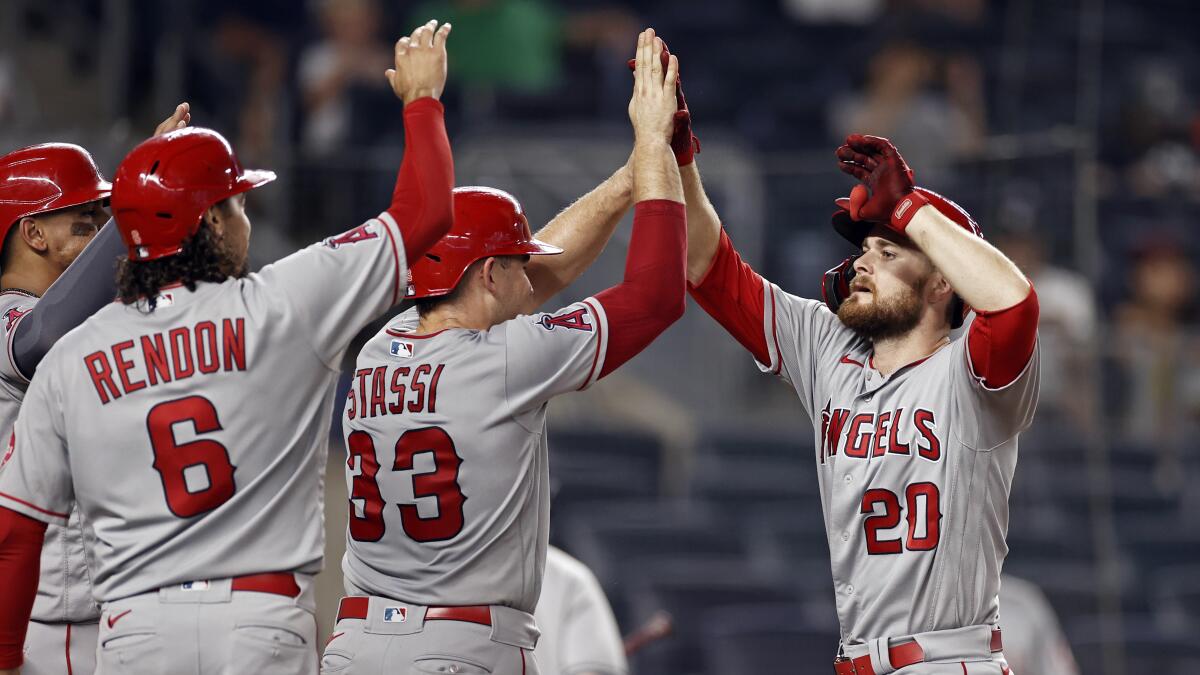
(877,316)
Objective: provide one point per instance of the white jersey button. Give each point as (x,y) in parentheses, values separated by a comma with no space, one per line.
(848,478)
(850,590)
(845,536)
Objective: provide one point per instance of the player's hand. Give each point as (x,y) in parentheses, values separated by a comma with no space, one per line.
(420,63)
(886,179)
(652,107)
(178,120)
(684,143)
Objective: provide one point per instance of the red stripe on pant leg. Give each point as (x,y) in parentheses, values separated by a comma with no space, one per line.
(69,649)
(964,667)
(522,662)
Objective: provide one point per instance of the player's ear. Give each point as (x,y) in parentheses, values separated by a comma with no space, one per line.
(33,234)
(212,217)
(486,271)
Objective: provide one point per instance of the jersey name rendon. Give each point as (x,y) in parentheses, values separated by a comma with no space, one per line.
(165,357)
(871,434)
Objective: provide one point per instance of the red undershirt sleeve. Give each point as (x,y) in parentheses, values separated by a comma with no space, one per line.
(1001,343)
(20,557)
(732,293)
(651,296)
(422,203)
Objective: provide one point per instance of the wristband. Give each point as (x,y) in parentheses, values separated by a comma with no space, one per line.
(905,209)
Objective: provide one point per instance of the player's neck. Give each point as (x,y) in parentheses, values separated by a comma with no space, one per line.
(892,354)
(33,275)
(451,316)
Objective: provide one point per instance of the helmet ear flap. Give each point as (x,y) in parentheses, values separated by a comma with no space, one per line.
(835,284)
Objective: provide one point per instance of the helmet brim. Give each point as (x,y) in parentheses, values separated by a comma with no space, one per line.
(253,178)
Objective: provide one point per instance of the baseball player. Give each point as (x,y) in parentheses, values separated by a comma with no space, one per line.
(916,434)
(579,632)
(1034,643)
(54,272)
(187,422)
(446,424)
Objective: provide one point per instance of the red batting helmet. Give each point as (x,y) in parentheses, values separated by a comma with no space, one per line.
(47,177)
(487,222)
(164,186)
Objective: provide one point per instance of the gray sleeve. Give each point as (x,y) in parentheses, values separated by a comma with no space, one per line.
(992,416)
(35,474)
(88,284)
(553,353)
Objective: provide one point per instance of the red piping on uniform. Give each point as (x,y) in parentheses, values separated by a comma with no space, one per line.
(775,333)
(69,649)
(35,508)
(522,660)
(599,343)
(395,260)
(411,336)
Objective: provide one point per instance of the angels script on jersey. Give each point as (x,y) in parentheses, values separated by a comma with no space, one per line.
(180,353)
(876,434)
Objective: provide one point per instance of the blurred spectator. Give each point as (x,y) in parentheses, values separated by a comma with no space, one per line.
(579,631)
(245,68)
(1157,346)
(352,56)
(856,12)
(1066,330)
(1034,643)
(1155,144)
(930,106)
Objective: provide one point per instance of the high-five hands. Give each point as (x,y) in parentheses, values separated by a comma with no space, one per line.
(653,104)
(179,119)
(420,63)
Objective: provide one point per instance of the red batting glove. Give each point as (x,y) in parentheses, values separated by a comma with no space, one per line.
(684,143)
(886,193)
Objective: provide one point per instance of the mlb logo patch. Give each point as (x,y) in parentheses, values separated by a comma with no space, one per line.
(395,614)
(403,350)
(165,300)
(194,586)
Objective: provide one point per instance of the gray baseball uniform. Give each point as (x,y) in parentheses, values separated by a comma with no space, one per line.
(914,470)
(64,596)
(1034,643)
(579,632)
(192,437)
(448,478)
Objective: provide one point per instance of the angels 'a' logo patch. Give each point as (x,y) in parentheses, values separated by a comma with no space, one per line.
(361,233)
(576,320)
(11,317)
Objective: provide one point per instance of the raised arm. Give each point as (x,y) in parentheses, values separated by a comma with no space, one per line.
(422,204)
(977,271)
(581,230)
(88,284)
(651,296)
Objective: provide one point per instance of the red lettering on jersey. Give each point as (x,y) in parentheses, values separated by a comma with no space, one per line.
(398,387)
(378,382)
(894,446)
(881,429)
(234,341)
(576,320)
(181,352)
(11,317)
(101,372)
(837,422)
(437,375)
(154,355)
(418,404)
(824,429)
(208,359)
(123,366)
(350,398)
(925,423)
(360,233)
(858,442)
(362,374)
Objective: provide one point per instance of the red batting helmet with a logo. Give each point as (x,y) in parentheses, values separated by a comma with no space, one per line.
(164,186)
(487,222)
(46,177)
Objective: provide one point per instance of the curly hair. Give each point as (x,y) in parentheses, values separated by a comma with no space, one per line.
(201,259)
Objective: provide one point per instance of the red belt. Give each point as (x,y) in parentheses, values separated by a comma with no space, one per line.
(901,656)
(355,607)
(279,583)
